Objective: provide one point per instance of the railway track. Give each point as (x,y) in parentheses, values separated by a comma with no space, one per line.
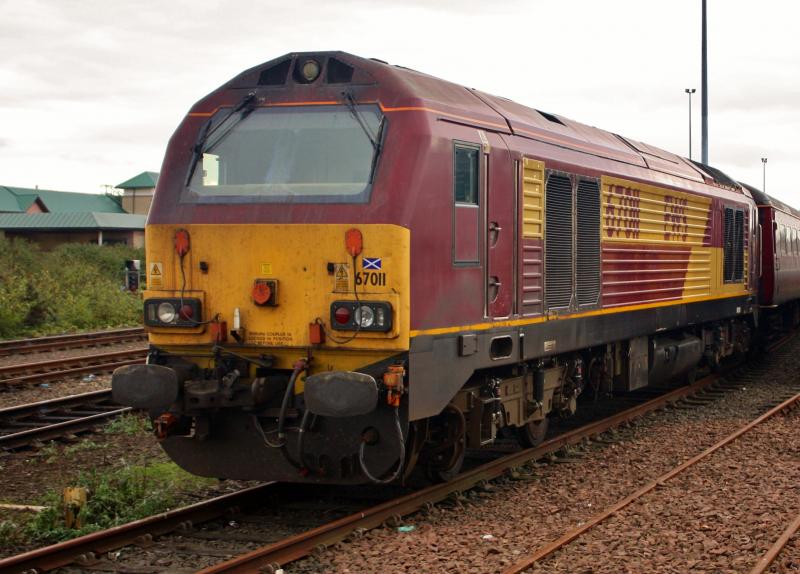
(570,536)
(296,546)
(76,341)
(178,526)
(25,425)
(57,369)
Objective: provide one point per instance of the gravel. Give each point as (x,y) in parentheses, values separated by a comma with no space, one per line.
(492,528)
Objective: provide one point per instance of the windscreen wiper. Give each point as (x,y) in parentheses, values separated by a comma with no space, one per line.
(245,106)
(351,105)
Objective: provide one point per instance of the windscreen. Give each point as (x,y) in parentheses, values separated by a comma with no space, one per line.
(290,154)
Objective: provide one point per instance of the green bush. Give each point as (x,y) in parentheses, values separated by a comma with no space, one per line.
(74,287)
(116,497)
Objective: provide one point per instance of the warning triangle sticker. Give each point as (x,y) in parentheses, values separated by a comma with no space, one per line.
(156,270)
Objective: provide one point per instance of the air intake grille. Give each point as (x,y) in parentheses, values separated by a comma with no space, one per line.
(738,245)
(588,235)
(558,242)
(734,254)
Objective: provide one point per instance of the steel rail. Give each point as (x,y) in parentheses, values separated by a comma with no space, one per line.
(574,533)
(86,547)
(770,555)
(33,413)
(71,341)
(299,546)
(32,373)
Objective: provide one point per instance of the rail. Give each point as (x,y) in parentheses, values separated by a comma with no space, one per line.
(24,425)
(79,340)
(574,533)
(56,369)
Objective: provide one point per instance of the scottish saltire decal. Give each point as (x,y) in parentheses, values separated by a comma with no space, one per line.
(371,263)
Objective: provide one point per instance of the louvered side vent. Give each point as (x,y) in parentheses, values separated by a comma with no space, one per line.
(558,242)
(738,242)
(727,248)
(587,263)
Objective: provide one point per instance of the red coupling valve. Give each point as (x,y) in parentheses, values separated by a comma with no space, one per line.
(393,381)
(163,424)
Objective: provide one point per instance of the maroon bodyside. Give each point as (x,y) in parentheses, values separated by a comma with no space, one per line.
(413,185)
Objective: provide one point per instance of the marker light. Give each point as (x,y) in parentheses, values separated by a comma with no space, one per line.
(181,242)
(353,242)
(342,315)
(186,313)
(166,312)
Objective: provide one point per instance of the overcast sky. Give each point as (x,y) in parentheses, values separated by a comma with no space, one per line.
(92,89)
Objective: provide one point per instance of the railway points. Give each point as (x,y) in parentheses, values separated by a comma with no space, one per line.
(31,424)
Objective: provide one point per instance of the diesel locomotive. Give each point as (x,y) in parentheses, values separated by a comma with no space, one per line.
(355,269)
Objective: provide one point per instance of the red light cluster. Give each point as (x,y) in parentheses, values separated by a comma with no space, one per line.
(342,315)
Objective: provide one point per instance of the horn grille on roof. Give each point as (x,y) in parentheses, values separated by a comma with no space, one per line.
(275,75)
(338,72)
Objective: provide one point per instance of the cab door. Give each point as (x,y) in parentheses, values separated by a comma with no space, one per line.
(500,226)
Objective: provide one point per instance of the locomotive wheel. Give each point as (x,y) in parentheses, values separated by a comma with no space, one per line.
(532,434)
(444,454)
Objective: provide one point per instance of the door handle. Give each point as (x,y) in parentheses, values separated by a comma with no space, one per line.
(494,233)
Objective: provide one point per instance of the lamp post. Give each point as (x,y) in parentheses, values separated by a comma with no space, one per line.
(690,91)
(764,180)
(704,80)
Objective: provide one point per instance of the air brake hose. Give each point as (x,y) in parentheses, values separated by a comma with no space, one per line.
(401,459)
(301,435)
(299,367)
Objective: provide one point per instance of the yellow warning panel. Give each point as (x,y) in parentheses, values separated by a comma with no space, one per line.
(341,278)
(155,275)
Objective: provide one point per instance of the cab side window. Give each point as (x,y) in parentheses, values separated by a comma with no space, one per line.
(465,178)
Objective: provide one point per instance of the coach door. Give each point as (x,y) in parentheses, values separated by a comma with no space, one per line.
(500,226)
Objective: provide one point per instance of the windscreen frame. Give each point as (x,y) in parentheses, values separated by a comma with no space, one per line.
(190,194)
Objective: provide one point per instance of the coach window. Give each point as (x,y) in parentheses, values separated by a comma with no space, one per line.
(465,176)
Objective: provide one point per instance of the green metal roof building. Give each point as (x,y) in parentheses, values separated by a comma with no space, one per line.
(53,217)
(26,200)
(137,192)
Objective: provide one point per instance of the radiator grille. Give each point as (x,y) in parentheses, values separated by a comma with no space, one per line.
(738,244)
(733,250)
(587,270)
(558,242)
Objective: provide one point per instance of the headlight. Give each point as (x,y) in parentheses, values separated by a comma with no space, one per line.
(365,316)
(361,315)
(166,312)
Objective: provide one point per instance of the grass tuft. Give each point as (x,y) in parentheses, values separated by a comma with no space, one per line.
(115,497)
(129,424)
